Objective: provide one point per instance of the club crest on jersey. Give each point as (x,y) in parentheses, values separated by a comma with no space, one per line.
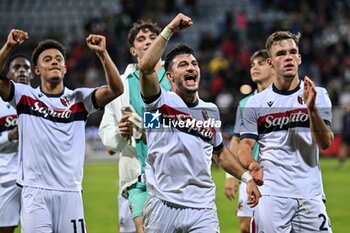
(301,99)
(205,115)
(65,101)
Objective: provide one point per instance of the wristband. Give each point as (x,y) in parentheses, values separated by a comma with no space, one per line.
(166,33)
(246,177)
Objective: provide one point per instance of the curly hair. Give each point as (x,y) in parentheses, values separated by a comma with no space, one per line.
(44,45)
(142,25)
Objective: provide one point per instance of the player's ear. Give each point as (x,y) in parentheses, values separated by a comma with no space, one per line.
(36,70)
(170,76)
(299,59)
(132,51)
(269,61)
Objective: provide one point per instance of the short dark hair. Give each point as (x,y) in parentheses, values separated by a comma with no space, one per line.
(178,50)
(142,25)
(47,44)
(14,56)
(259,53)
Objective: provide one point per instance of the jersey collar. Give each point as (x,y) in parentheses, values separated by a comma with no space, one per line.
(274,88)
(53,95)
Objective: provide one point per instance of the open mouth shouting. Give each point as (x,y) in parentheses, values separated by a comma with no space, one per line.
(191,79)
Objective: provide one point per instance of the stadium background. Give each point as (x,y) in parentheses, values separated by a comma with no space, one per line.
(224,35)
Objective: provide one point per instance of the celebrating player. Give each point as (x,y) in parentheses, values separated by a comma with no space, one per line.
(290,121)
(117,127)
(52,133)
(179,183)
(20,71)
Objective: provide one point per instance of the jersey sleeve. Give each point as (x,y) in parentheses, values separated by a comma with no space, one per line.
(87,97)
(249,123)
(237,123)
(17,91)
(156,101)
(324,105)
(218,140)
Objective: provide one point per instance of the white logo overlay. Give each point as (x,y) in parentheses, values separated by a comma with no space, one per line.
(157,120)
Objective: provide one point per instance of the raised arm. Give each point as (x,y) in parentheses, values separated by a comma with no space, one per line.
(321,133)
(148,76)
(105,94)
(14,38)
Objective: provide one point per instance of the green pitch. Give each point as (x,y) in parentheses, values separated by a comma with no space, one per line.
(100,198)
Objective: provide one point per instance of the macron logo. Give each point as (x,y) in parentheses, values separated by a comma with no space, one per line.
(152,120)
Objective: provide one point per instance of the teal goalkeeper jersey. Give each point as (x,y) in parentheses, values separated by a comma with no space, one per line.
(239,113)
(138,104)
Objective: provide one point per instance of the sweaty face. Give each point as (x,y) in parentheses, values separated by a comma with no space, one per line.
(20,70)
(260,70)
(185,73)
(142,42)
(51,66)
(285,58)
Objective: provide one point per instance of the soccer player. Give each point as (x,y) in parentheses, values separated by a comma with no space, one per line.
(19,70)
(117,129)
(262,74)
(290,121)
(51,120)
(182,144)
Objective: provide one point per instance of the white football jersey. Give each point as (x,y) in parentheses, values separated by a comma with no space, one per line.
(8,150)
(179,157)
(279,121)
(52,139)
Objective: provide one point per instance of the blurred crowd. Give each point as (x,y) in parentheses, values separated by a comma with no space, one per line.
(241,28)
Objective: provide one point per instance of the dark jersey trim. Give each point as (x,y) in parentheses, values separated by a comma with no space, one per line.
(3,121)
(249,135)
(274,88)
(219,147)
(152,98)
(30,106)
(170,116)
(52,95)
(94,102)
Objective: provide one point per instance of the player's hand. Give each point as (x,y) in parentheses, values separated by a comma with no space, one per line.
(13,134)
(180,22)
(256,171)
(96,43)
(16,37)
(125,127)
(309,94)
(253,193)
(231,188)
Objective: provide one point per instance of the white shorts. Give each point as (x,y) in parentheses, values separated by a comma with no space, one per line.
(10,204)
(126,223)
(243,209)
(161,216)
(46,211)
(285,215)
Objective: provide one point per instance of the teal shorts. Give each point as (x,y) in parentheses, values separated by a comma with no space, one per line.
(137,198)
